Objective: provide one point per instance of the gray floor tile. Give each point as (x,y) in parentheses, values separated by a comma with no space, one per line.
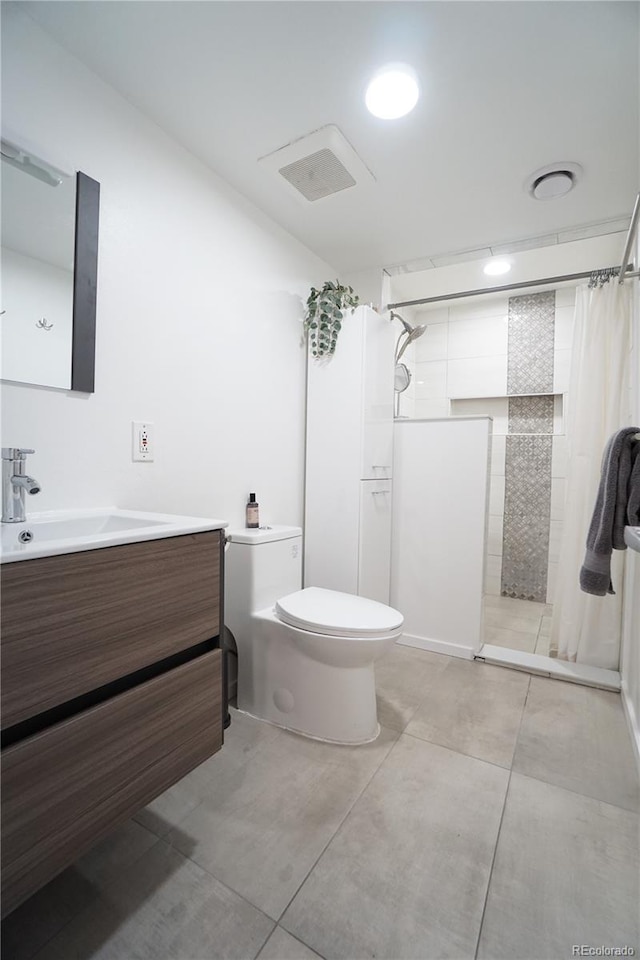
(545,627)
(543,646)
(282,946)
(166,909)
(406,875)
(262,827)
(510,638)
(242,739)
(566,872)
(41,917)
(518,608)
(475,708)
(520,624)
(402,678)
(577,738)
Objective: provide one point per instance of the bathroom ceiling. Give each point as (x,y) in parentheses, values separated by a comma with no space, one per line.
(507,87)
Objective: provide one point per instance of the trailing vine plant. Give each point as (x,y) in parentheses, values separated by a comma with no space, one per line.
(324,316)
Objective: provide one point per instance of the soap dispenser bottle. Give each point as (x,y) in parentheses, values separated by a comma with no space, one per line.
(253,516)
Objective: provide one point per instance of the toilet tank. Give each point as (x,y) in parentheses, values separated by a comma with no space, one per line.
(260,567)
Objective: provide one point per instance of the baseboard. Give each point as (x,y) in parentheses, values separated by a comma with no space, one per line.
(438,646)
(633,722)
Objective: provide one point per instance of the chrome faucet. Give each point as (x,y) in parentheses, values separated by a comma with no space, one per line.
(14,484)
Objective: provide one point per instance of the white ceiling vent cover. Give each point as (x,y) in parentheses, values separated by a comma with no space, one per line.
(318,165)
(318,175)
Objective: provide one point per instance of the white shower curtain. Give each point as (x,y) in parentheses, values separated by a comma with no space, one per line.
(585,628)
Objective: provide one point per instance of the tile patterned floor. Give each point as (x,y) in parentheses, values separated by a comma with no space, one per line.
(517,624)
(495,817)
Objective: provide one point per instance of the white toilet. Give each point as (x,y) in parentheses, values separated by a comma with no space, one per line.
(305,657)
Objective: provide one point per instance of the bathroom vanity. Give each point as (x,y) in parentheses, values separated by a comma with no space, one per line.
(112,683)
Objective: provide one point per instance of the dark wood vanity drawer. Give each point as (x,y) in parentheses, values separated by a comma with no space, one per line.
(68,786)
(75,622)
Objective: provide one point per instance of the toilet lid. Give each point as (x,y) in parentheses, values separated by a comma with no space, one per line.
(337,614)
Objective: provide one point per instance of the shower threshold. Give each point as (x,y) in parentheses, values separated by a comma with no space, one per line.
(550,667)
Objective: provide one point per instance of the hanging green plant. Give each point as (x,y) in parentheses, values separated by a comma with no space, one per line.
(325,313)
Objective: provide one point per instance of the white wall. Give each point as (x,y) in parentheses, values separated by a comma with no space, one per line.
(200,298)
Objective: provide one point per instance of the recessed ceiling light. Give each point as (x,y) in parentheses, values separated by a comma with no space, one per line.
(393,92)
(495,268)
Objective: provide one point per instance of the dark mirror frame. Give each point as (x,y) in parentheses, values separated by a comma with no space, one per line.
(85,282)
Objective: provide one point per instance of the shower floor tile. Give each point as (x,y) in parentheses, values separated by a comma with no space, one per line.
(517,624)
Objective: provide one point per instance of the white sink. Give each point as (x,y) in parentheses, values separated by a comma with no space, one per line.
(632,538)
(70,531)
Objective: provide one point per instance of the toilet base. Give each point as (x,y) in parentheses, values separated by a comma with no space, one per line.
(310,736)
(279,680)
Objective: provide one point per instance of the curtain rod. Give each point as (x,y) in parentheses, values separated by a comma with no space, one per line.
(507,286)
(631,235)
(624,273)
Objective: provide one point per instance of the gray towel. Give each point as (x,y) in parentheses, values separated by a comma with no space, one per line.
(633,506)
(618,499)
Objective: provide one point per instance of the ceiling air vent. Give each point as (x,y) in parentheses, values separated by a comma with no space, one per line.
(319,165)
(318,176)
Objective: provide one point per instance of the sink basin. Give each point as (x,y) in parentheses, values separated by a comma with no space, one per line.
(70,531)
(632,538)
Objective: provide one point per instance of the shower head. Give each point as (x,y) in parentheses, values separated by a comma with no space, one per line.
(405,323)
(410,332)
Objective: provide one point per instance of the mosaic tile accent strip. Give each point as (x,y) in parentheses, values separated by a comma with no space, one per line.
(530,415)
(527,508)
(530,344)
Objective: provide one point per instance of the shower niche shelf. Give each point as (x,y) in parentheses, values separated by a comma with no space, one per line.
(498,408)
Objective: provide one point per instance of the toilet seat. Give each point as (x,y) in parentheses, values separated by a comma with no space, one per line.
(335,614)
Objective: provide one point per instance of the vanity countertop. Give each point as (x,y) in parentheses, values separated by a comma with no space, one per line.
(72,531)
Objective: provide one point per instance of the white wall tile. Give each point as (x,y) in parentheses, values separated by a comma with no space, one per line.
(477,377)
(432,345)
(423,409)
(498,455)
(495,407)
(492,585)
(494,536)
(565,297)
(561,370)
(552,575)
(555,534)
(559,413)
(407,406)
(559,457)
(493,576)
(433,316)
(430,380)
(481,337)
(496,496)
(558,493)
(486,307)
(563,327)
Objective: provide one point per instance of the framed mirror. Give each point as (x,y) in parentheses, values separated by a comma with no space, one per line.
(49,258)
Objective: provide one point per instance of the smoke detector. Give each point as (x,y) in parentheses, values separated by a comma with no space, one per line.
(318,165)
(553,181)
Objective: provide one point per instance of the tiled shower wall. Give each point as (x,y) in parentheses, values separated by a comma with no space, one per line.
(467,362)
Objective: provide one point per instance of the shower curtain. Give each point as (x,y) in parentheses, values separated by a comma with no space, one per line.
(585,628)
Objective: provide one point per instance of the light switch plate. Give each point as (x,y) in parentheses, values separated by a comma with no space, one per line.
(142,440)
